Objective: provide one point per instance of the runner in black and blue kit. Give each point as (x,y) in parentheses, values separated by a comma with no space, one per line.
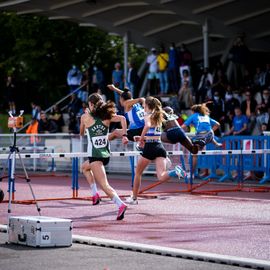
(134,113)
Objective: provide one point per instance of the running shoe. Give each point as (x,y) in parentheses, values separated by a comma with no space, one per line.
(121,212)
(131,200)
(180,172)
(96,199)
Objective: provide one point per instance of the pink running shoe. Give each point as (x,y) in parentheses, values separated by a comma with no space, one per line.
(96,199)
(121,212)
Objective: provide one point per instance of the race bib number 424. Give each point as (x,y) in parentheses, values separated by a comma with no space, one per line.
(100,141)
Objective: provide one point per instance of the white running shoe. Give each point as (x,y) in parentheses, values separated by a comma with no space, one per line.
(180,172)
(168,163)
(131,200)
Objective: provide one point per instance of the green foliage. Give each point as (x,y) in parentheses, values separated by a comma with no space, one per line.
(39,52)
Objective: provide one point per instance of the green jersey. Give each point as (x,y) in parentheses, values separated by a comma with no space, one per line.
(97,137)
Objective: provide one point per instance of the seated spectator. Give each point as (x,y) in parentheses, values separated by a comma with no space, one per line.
(262,117)
(248,107)
(230,104)
(185,98)
(239,125)
(265,100)
(57,117)
(46,125)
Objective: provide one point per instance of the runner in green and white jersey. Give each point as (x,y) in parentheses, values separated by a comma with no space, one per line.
(96,125)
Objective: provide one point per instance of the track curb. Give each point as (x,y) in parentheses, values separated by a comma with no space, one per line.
(169,252)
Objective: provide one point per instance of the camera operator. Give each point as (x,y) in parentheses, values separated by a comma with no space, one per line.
(46,125)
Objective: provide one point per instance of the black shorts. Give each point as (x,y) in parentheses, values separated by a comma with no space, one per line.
(176,134)
(153,150)
(105,161)
(134,132)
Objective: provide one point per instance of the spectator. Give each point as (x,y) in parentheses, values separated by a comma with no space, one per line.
(118,81)
(153,76)
(265,100)
(83,92)
(97,77)
(185,98)
(132,79)
(186,77)
(219,83)
(185,59)
(258,79)
(262,117)
(35,111)
(57,117)
(248,107)
(46,125)
(240,123)
(239,56)
(173,69)
(267,76)
(204,86)
(74,78)
(74,107)
(33,129)
(163,60)
(230,104)
(218,110)
(11,94)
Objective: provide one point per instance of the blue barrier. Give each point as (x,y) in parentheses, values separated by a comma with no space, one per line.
(238,162)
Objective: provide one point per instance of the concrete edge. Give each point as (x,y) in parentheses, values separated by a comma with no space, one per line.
(171,252)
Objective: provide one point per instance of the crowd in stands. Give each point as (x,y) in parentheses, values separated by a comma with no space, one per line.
(238,97)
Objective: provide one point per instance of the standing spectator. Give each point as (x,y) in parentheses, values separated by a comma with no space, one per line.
(204,85)
(97,78)
(185,98)
(46,125)
(186,77)
(153,76)
(132,78)
(185,59)
(173,69)
(239,56)
(57,117)
(267,76)
(248,107)
(240,123)
(74,78)
(258,79)
(11,94)
(163,60)
(218,110)
(219,83)
(74,107)
(35,111)
(118,81)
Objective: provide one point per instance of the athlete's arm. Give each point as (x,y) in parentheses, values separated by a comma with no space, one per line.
(115,89)
(82,126)
(122,120)
(129,103)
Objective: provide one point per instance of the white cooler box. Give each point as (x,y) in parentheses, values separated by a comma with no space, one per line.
(39,231)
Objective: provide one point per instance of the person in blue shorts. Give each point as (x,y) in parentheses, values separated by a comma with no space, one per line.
(204,126)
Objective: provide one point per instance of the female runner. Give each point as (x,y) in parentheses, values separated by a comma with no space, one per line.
(96,125)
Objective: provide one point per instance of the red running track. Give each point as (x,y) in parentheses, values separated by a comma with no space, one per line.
(236,223)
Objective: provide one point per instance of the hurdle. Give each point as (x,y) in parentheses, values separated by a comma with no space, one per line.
(192,188)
